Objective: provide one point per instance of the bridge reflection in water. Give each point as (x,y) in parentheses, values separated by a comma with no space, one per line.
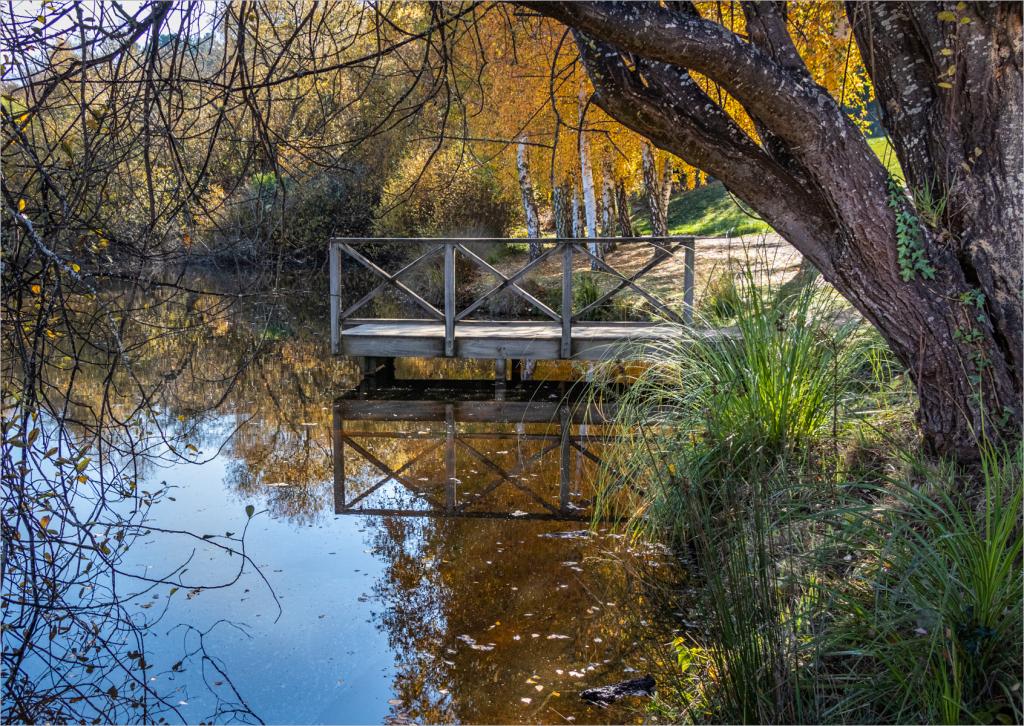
(527,450)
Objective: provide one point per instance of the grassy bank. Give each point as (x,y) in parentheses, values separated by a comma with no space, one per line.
(711,211)
(839,576)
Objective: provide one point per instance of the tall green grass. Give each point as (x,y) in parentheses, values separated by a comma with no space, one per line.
(895,597)
(768,388)
(928,624)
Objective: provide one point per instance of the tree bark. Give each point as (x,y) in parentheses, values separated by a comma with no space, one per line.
(607,201)
(578,225)
(667,179)
(655,193)
(562,211)
(623,208)
(943,286)
(529,202)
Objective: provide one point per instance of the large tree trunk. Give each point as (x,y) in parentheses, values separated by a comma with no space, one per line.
(529,203)
(942,287)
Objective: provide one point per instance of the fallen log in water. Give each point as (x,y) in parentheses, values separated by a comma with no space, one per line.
(604,695)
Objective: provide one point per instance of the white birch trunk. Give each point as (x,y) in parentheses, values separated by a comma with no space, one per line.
(529,202)
(587,181)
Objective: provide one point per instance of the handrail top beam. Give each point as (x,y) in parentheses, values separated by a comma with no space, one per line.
(505,240)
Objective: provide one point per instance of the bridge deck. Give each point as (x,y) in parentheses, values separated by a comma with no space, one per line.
(496,340)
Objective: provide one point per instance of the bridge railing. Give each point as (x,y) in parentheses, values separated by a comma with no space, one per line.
(342,249)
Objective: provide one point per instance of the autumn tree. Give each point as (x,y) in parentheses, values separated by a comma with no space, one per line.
(935,266)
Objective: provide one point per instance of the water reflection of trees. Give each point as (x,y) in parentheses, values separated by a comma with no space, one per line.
(94,398)
(494,580)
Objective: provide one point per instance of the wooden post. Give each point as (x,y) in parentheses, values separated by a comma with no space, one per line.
(563,468)
(387,370)
(566,347)
(334,263)
(500,370)
(449,299)
(449,456)
(338,441)
(688,262)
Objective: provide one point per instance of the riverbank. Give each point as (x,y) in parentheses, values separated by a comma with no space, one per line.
(841,575)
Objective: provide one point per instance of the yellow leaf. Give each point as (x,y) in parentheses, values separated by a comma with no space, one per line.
(977,151)
(947,15)
(36,289)
(946,51)
(44,521)
(943,84)
(75,267)
(964,21)
(21,205)
(961,6)
(41,18)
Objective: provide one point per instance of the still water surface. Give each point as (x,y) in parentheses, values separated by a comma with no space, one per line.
(424,548)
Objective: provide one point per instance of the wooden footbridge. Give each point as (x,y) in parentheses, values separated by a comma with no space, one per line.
(456,328)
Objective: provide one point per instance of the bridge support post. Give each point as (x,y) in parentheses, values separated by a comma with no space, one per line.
(688,255)
(334,265)
(338,442)
(449,300)
(563,466)
(566,343)
(449,457)
(378,369)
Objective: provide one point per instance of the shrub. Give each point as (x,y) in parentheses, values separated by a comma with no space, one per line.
(445,196)
(295,218)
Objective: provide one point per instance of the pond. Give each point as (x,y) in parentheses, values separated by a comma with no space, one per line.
(418,549)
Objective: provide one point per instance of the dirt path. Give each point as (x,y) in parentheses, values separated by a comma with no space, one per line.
(714,256)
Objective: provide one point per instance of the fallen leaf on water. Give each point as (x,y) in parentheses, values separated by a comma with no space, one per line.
(394,702)
(526,700)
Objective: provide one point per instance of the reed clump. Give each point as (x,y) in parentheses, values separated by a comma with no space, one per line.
(841,577)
